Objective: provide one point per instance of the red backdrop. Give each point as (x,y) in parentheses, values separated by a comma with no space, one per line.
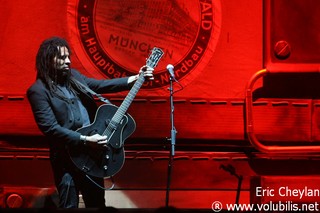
(227,41)
(233,55)
(223,42)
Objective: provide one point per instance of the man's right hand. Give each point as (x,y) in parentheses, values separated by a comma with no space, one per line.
(96,139)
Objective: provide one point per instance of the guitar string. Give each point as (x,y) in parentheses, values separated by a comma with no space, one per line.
(125,105)
(152,61)
(123,108)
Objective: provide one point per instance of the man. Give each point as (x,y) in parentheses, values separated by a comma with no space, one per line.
(61,106)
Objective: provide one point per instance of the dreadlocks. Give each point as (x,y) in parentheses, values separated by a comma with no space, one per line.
(45,65)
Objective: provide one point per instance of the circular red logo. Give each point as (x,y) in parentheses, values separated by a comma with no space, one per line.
(116,36)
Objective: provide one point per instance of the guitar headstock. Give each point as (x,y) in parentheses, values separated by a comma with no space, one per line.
(154,57)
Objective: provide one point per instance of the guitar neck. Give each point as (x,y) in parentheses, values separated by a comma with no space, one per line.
(128,100)
(152,61)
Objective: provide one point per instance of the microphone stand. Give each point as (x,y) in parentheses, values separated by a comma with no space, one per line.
(173,141)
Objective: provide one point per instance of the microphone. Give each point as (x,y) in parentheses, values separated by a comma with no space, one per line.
(170,68)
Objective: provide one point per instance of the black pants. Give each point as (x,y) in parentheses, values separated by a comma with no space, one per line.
(70,181)
(69,188)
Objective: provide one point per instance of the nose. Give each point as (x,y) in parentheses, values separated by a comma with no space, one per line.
(67,61)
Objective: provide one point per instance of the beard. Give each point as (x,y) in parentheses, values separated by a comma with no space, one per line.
(63,76)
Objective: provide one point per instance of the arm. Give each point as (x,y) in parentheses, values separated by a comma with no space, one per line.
(116,84)
(103,86)
(43,111)
(45,117)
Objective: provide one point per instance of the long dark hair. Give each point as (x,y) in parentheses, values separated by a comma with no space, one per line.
(45,65)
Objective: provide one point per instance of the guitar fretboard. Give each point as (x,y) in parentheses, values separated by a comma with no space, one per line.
(152,61)
(128,100)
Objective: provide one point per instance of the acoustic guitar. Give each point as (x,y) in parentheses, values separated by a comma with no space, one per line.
(117,125)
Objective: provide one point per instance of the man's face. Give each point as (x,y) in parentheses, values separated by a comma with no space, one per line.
(62,60)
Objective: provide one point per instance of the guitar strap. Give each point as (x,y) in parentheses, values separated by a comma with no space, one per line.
(92,92)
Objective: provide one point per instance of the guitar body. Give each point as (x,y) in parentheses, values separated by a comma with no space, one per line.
(101,161)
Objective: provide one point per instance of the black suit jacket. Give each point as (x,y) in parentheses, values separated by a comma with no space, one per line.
(57,118)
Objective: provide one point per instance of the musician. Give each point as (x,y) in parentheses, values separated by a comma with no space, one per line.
(61,106)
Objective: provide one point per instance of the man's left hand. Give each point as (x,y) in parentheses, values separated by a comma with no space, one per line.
(147,72)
